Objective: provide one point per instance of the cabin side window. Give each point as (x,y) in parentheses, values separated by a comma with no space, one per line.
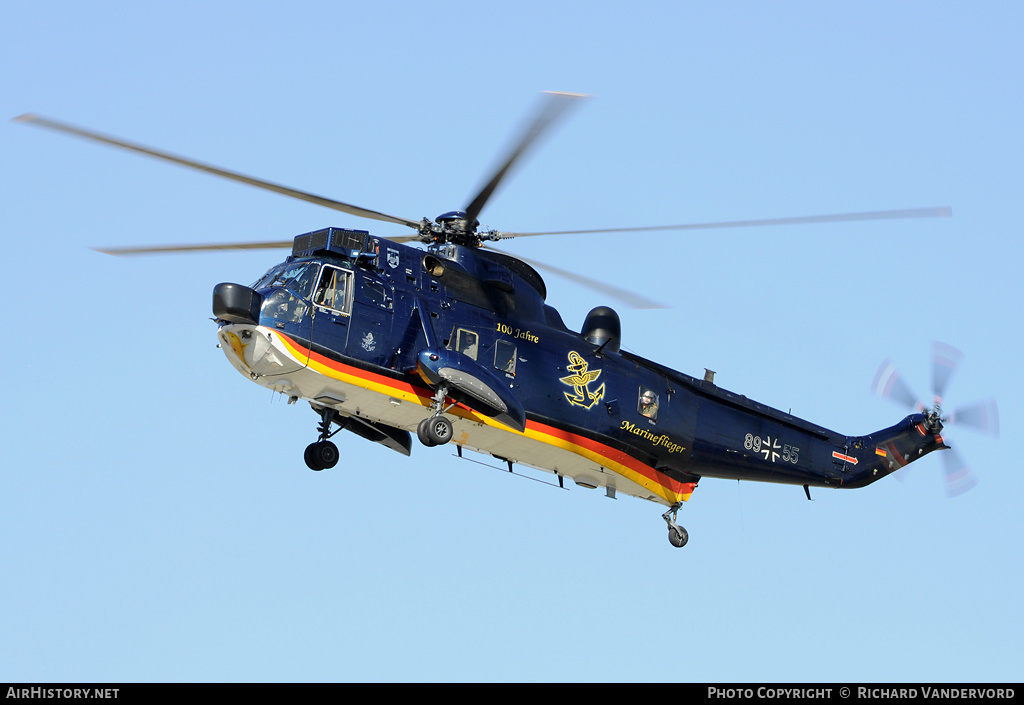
(334,289)
(505,357)
(648,403)
(374,293)
(467,342)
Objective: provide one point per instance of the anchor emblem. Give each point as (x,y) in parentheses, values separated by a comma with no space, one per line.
(580,380)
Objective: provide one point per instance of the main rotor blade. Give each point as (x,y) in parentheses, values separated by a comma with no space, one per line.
(941,212)
(553,106)
(631,299)
(174,249)
(216,171)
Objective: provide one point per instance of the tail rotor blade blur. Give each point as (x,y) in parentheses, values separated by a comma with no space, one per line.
(890,385)
(945,358)
(982,416)
(958,476)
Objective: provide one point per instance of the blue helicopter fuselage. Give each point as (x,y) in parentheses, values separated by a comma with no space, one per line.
(364,325)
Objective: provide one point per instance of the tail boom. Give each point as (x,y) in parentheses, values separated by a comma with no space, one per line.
(872,457)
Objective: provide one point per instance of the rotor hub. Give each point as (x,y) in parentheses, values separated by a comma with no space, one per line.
(933,420)
(453,226)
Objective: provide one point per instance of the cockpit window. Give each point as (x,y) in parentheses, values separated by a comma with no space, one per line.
(298,277)
(333,289)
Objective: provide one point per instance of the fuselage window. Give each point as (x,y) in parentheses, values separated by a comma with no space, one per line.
(374,292)
(467,342)
(333,289)
(505,356)
(648,404)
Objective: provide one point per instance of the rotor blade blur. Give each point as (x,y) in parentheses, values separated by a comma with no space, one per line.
(940,212)
(958,476)
(216,171)
(554,105)
(945,358)
(631,299)
(178,249)
(981,416)
(890,385)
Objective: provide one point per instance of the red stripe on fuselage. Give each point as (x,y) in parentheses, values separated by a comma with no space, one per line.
(562,438)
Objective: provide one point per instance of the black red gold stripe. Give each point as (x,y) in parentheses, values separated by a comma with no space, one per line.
(671,491)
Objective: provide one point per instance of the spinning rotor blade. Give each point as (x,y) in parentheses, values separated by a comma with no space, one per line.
(554,106)
(945,358)
(172,249)
(890,385)
(941,212)
(958,476)
(233,176)
(982,416)
(631,299)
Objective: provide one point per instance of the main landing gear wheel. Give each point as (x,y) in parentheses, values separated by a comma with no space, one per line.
(434,431)
(677,535)
(321,455)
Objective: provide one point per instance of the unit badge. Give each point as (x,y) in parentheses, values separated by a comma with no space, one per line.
(369,344)
(392,258)
(580,380)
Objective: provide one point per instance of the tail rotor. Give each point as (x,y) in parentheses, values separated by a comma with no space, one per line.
(980,416)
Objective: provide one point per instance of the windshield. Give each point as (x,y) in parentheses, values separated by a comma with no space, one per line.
(298,277)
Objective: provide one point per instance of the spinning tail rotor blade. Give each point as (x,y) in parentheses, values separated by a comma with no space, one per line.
(958,477)
(945,358)
(890,385)
(982,416)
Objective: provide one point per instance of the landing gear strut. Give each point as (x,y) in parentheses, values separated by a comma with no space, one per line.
(323,454)
(677,535)
(436,430)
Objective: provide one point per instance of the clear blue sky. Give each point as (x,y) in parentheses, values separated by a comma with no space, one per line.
(158,521)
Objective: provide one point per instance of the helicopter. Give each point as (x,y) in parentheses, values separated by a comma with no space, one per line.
(438,335)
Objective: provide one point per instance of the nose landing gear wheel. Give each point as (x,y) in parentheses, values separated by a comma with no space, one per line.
(321,455)
(434,431)
(677,536)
